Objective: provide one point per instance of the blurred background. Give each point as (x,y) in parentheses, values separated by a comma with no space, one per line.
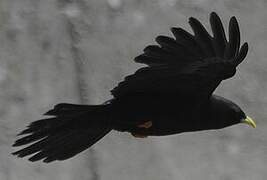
(75,51)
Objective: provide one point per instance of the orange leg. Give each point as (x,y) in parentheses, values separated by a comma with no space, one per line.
(146,125)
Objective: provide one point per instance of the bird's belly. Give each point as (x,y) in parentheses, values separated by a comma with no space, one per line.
(165,122)
(166,126)
(168,114)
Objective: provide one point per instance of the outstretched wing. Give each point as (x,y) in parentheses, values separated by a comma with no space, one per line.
(189,63)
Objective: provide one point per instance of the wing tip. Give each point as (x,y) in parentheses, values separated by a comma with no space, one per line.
(192,20)
(215,18)
(213,13)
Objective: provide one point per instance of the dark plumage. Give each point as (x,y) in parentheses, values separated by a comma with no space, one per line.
(173,94)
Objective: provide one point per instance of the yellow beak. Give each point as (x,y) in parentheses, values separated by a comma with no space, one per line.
(249,121)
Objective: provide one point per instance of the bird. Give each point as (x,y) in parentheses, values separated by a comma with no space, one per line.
(172,94)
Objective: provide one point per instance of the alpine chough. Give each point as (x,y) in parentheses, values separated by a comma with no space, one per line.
(171,95)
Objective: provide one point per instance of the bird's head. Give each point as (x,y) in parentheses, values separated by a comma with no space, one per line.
(226,113)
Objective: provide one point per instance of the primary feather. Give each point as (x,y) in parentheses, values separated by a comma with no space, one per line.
(176,64)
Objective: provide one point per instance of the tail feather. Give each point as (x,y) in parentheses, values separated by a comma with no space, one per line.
(73,129)
(65,109)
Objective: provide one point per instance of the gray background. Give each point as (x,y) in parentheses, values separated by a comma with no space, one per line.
(75,51)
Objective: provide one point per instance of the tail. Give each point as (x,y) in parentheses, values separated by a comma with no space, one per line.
(73,129)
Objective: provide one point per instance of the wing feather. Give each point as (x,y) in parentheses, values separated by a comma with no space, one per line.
(219,39)
(202,37)
(234,40)
(189,64)
(188,41)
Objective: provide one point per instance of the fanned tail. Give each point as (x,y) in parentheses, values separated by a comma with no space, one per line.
(73,129)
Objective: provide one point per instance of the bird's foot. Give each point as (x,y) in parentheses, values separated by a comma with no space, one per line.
(146,125)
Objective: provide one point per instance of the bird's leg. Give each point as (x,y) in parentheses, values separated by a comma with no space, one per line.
(145,125)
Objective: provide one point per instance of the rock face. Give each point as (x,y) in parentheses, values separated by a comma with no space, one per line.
(76,51)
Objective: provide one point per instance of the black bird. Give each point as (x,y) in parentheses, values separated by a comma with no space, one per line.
(172,94)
